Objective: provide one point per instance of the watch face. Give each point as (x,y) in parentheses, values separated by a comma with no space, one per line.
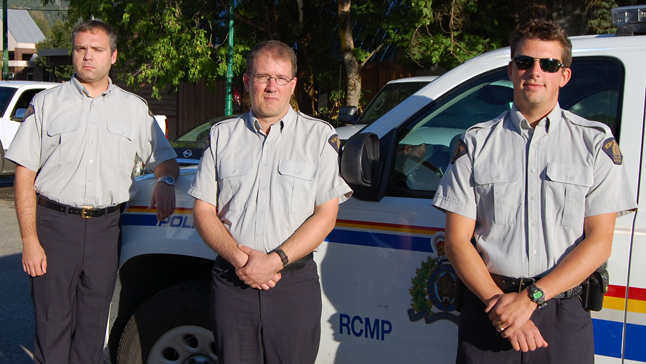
(168,180)
(536,294)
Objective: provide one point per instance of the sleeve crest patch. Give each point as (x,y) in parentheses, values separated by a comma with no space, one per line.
(460,150)
(611,148)
(30,111)
(335,142)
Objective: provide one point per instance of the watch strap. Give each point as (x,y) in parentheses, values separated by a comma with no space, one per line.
(282,255)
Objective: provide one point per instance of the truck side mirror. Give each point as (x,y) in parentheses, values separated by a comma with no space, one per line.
(361,167)
(348,115)
(19,114)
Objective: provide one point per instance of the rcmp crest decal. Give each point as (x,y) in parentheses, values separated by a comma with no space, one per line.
(434,287)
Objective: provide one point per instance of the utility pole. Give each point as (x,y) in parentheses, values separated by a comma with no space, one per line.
(228,101)
(5,42)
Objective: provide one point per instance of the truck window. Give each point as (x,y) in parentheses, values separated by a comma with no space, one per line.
(25,99)
(6,93)
(424,147)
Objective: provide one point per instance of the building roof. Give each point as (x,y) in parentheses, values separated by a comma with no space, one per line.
(22,27)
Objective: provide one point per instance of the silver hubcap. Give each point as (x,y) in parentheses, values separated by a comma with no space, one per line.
(186,344)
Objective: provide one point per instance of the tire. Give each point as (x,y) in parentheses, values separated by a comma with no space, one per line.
(171,327)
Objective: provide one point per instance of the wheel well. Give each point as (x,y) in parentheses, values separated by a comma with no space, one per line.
(144,276)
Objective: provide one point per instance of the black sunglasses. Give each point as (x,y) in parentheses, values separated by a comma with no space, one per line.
(550,65)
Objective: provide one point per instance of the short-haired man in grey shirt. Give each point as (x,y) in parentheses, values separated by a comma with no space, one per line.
(75,153)
(267,193)
(539,190)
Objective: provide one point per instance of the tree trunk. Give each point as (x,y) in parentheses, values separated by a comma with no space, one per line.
(352,67)
(305,91)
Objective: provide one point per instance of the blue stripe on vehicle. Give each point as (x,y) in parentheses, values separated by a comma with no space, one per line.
(607,337)
(635,342)
(379,240)
(139,219)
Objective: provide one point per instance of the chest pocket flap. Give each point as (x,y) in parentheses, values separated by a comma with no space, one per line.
(233,169)
(301,170)
(60,126)
(484,174)
(123,130)
(576,175)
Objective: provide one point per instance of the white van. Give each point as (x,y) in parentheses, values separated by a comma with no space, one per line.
(388,288)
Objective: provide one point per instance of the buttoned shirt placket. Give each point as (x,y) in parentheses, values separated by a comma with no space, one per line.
(262,180)
(92,144)
(536,137)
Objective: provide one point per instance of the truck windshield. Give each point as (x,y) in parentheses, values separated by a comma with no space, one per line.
(6,93)
(387,98)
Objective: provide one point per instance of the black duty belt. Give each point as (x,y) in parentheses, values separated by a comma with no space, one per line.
(86,212)
(298,264)
(509,284)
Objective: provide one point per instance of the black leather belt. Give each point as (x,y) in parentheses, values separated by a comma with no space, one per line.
(298,264)
(86,212)
(509,284)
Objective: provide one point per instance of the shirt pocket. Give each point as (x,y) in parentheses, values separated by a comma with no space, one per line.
(296,189)
(500,191)
(69,141)
(564,193)
(230,177)
(120,146)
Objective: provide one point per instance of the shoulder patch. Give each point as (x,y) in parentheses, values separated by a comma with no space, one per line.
(460,150)
(335,142)
(611,148)
(30,111)
(207,145)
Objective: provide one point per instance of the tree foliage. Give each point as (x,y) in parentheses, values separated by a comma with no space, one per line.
(166,42)
(60,37)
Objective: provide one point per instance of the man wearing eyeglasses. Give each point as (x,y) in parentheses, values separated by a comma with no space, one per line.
(531,199)
(267,193)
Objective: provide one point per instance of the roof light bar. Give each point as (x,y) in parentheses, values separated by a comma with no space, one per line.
(625,15)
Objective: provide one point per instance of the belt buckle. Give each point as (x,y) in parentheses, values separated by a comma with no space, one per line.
(85,210)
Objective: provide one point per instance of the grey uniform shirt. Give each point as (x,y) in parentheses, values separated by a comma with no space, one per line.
(266,185)
(529,190)
(84,148)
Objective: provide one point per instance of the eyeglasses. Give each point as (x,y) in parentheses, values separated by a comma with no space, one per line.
(550,65)
(280,80)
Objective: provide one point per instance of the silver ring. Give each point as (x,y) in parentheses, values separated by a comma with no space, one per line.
(500,328)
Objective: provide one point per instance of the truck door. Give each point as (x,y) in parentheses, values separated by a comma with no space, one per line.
(413,158)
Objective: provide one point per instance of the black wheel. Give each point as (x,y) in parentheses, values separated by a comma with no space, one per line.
(171,327)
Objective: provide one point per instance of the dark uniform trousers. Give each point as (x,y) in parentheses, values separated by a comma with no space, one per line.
(72,300)
(564,324)
(280,325)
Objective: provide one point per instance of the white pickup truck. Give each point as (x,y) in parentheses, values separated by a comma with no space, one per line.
(15,97)
(388,288)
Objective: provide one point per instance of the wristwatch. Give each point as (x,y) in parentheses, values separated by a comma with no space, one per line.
(167,180)
(536,295)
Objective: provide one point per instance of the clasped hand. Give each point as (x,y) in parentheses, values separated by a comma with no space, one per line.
(261,270)
(510,313)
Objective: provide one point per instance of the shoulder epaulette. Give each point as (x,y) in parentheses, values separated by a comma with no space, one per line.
(487,124)
(577,120)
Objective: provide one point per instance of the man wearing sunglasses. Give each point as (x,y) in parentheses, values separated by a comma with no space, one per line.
(267,193)
(531,200)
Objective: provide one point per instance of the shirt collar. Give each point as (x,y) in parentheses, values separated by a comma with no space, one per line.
(520,122)
(254,125)
(83,91)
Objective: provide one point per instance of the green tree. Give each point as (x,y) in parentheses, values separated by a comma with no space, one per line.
(165,42)
(60,37)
